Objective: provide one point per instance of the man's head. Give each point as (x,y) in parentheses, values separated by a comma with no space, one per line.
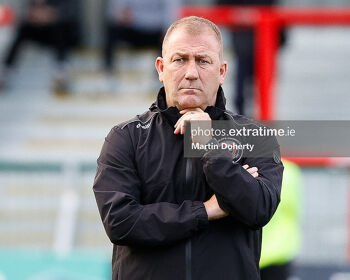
(191,68)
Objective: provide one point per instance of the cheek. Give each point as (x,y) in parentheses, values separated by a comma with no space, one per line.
(211,78)
(170,71)
(174,77)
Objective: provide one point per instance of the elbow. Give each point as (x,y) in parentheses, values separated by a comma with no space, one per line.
(113,233)
(260,219)
(117,233)
(265,212)
(116,238)
(254,213)
(121,226)
(266,205)
(119,214)
(265,208)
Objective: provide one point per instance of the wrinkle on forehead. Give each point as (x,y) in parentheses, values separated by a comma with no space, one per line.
(182,41)
(187,44)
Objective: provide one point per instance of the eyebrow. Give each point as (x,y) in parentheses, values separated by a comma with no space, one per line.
(186,55)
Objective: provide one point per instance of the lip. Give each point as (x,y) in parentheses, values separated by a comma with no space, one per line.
(190,89)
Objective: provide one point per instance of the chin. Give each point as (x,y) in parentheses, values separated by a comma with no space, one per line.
(190,102)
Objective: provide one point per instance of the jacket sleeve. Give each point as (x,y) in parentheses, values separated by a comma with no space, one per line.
(252,201)
(118,191)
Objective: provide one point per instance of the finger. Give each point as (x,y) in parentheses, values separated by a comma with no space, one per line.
(252,170)
(245,166)
(178,121)
(255,174)
(179,125)
(188,111)
(177,130)
(181,119)
(183,125)
(183,128)
(191,110)
(182,112)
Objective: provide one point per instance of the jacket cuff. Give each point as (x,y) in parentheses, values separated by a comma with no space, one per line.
(200,214)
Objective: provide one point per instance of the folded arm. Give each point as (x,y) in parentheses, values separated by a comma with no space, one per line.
(117,190)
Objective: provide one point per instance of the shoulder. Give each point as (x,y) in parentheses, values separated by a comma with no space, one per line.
(124,137)
(131,128)
(258,134)
(241,120)
(141,120)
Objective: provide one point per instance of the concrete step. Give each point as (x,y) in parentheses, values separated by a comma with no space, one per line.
(23,238)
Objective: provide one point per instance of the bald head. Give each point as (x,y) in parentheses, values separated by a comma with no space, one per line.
(194,26)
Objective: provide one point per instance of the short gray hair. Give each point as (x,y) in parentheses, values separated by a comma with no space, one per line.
(194,25)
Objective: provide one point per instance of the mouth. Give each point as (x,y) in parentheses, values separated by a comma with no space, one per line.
(190,90)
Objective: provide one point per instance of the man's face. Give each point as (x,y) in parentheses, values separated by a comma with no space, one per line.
(191,69)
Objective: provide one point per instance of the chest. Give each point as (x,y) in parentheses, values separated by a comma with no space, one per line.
(166,175)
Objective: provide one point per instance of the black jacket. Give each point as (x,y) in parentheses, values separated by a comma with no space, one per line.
(151,198)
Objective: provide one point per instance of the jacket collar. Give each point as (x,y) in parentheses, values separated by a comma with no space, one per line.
(172,114)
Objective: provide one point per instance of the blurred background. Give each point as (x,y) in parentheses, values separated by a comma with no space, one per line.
(70,70)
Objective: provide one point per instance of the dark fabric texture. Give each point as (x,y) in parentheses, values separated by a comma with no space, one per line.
(150,215)
(276,272)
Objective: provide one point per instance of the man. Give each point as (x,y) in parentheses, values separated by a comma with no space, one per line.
(51,22)
(133,21)
(171,217)
(243,44)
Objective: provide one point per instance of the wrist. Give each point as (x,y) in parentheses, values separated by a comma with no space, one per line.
(209,209)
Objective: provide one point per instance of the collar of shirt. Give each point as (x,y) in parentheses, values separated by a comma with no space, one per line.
(172,114)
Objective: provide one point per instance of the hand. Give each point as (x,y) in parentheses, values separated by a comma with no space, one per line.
(188,115)
(252,170)
(213,209)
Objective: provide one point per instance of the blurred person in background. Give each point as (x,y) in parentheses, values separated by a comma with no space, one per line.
(244,47)
(281,236)
(49,22)
(141,23)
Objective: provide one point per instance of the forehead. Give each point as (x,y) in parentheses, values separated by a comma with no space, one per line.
(204,42)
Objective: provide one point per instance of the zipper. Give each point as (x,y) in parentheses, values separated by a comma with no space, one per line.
(188,182)
(187,193)
(188,260)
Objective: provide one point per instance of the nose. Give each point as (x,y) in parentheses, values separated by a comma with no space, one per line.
(191,71)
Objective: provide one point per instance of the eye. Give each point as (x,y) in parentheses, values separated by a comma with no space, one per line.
(203,61)
(178,59)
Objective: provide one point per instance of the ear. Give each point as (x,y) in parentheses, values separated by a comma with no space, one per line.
(160,67)
(223,71)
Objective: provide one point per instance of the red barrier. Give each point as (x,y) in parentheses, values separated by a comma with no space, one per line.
(267,22)
(343,162)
